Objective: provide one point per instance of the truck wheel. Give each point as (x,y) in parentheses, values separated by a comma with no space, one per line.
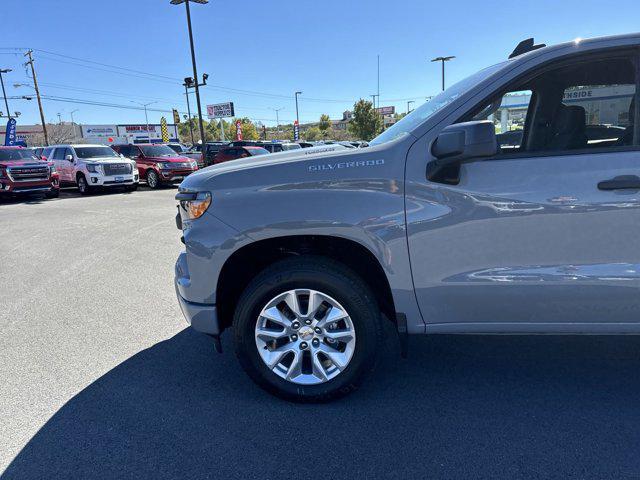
(307,329)
(53,193)
(83,186)
(152,179)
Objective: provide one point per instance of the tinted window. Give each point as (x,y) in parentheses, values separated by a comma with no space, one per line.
(16,154)
(94,152)
(47,152)
(157,150)
(58,154)
(257,151)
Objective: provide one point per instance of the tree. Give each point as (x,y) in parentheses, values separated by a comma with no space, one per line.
(312,134)
(249,131)
(366,122)
(324,125)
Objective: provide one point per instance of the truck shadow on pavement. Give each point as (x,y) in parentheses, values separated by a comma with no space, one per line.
(459,407)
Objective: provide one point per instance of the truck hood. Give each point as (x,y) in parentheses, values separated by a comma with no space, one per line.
(105,160)
(171,159)
(271,159)
(22,163)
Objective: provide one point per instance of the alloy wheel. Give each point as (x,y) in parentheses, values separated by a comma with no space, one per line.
(305,336)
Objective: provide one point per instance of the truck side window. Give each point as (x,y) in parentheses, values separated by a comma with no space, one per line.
(580,106)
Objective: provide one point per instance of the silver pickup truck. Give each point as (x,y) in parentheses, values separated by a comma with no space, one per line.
(437,227)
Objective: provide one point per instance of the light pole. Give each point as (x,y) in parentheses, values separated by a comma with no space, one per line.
(193,59)
(59,118)
(409,106)
(297,117)
(443,59)
(146,118)
(277,118)
(71,113)
(188,81)
(4,93)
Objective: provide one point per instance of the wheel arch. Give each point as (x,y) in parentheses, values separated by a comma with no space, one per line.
(246,262)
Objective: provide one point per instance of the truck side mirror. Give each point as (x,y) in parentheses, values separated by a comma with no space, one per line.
(69,158)
(463,141)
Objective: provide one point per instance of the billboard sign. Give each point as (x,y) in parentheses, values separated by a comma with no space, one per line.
(386,110)
(220,110)
(98,130)
(238,130)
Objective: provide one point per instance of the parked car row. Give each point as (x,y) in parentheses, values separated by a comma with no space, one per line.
(89,167)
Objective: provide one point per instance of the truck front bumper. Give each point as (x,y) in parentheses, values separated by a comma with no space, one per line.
(201,317)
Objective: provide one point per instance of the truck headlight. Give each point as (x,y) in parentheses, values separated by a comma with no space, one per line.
(194,204)
(162,166)
(52,169)
(93,168)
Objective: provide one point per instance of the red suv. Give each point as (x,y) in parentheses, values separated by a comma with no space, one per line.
(21,171)
(231,153)
(158,164)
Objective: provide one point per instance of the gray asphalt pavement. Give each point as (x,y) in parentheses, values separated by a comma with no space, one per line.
(99,378)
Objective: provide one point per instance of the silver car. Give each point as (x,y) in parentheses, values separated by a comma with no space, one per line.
(436,227)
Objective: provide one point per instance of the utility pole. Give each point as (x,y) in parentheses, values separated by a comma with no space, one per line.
(35,86)
(193,60)
(4,93)
(59,118)
(443,59)
(378,81)
(187,82)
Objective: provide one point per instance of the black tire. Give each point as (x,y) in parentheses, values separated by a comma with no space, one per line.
(83,185)
(53,193)
(333,279)
(153,180)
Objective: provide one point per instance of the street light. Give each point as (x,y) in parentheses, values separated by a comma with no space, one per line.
(72,112)
(443,59)
(4,94)
(193,58)
(297,117)
(277,118)
(146,118)
(409,106)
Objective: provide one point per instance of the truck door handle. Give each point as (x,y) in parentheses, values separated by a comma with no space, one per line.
(623,182)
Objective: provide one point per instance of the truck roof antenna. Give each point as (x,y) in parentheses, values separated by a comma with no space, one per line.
(525,46)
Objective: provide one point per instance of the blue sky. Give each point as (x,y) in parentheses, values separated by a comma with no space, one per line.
(268,49)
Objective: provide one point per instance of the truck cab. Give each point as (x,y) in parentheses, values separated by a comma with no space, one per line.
(22,172)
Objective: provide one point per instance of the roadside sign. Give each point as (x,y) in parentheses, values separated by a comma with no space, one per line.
(386,110)
(296,131)
(176,116)
(238,130)
(220,110)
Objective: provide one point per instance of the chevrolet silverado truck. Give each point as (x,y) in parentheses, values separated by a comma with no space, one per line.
(22,172)
(435,227)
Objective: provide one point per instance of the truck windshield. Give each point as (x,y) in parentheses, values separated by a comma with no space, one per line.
(16,154)
(94,152)
(257,151)
(426,110)
(157,151)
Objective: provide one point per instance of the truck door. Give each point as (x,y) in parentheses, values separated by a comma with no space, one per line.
(544,235)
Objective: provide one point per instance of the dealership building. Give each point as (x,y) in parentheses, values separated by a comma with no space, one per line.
(102,134)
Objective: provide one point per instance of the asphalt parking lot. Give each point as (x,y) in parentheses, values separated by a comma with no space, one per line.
(101,379)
